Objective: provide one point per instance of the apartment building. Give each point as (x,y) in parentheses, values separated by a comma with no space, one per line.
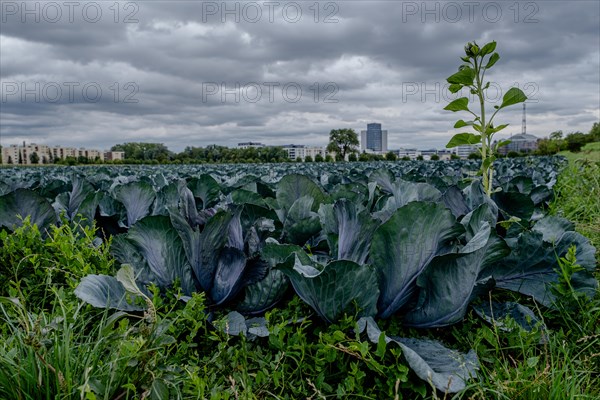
(32,153)
(60,153)
(301,151)
(464,151)
(114,155)
(410,153)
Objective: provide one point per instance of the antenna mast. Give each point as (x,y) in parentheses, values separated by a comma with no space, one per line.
(524,122)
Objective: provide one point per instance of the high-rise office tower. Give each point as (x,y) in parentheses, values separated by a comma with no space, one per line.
(374,139)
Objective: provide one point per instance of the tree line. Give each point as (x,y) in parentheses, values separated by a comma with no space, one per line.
(158,153)
(572,142)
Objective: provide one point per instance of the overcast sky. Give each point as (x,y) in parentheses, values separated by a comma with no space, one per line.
(191,73)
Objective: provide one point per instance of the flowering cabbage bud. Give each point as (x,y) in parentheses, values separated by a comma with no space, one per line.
(471,49)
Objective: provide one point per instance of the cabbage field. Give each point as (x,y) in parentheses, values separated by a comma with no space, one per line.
(300,280)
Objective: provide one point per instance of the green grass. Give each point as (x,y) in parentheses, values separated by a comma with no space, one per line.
(590,152)
(577,197)
(560,360)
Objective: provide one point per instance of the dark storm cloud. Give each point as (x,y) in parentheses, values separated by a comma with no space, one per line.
(194,73)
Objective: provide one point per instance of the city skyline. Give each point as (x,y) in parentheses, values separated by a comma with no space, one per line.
(196,74)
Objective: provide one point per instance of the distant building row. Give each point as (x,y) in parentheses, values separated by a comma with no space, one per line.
(294,151)
(30,154)
(375,140)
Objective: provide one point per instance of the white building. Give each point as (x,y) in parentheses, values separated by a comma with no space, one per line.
(463,151)
(24,154)
(445,154)
(60,153)
(410,153)
(301,151)
(248,145)
(10,155)
(521,143)
(91,154)
(114,155)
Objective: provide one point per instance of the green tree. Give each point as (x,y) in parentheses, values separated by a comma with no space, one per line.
(454,156)
(419,158)
(34,158)
(575,141)
(595,132)
(318,158)
(352,157)
(550,146)
(406,158)
(556,135)
(308,159)
(391,156)
(434,157)
(474,156)
(144,151)
(342,142)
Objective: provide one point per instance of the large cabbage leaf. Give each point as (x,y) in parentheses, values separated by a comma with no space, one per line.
(168,197)
(202,248)
(404,245)
(137,197)
(82,199)
(22,203)
(155,250)
(264,294)
(217,253)
(454,199)
(205,188)
(301,223)
(292,187)
(228,275)
(404,192)
(448,283)
(497,313)
(531,268)
(349,229)
(334,288)
(104,291)
(446,369)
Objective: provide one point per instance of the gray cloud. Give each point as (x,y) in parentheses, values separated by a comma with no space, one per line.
(161,68)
